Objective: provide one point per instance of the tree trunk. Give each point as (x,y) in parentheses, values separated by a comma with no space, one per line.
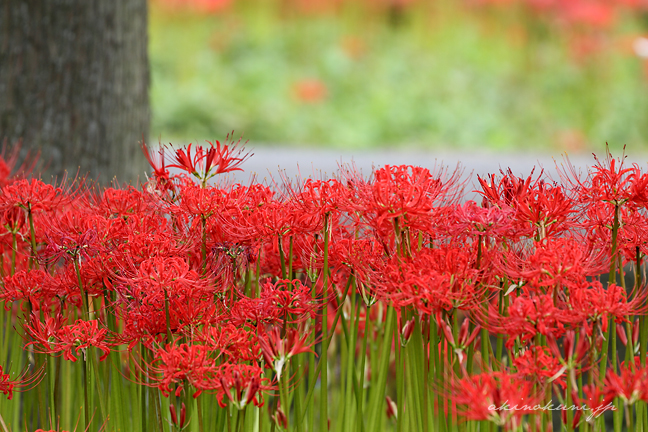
(74,79)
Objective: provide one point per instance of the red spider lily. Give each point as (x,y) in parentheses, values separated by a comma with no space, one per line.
(174,364)
(234,344)
(224,158)
(321,196)
(528,316)
(508,191)
(408,193)
(34,195)
(241,384)
(547,209)
(22,382)
(73,235)
(124,203)
(594,302)
(538,205)
(574,355)
(53,337)
(630,384)
(498,397)
(553,264)
(469,219)
(537,363)
(14,219)
(596,400)
(292,300)
(432,280)
(610,182)
(157,285)
(278,349)
(163,181)
(464,340)
(228,261)
(35,285)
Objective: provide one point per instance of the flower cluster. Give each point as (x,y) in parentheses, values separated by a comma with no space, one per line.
(196,288)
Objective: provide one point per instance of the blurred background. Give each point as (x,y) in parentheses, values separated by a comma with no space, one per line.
(540,76)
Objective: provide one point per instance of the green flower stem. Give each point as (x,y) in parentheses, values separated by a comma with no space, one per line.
(351,383)
(316,370)
(325,343)
(400,383)
(377,398)
(361,374)
(299,391)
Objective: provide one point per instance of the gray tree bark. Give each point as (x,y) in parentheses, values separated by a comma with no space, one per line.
(74,78)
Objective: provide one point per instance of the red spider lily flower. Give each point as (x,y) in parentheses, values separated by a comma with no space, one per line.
(596,400)
(609,182)
(547,209)
(52,337)
(537,363)
(464,338)
(241,384)
(630,384)
(35,285)
(555,263)
(81,335)
(594,302)
(14,219)
(223,158)
(498,397)
(233,343)
(174,364)
(508,191)
(470,219)
(157,285)
(277,350)
(321,196)
(406,192)
(291,299)
(432,280)
(22,382)
(124,203)
(528,316)
(163,181)
(537,204)
(34,195)
(73,235)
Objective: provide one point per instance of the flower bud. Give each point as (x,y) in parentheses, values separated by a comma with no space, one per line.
(407,331)
(280,418)
(183,415)
(174,417)
(622,334)
(392,409)
(463,331)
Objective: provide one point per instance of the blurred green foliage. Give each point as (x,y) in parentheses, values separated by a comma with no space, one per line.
(459,78)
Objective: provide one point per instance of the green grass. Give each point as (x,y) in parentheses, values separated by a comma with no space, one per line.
(460,79)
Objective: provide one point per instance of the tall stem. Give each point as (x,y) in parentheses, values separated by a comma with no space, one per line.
(324,375)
